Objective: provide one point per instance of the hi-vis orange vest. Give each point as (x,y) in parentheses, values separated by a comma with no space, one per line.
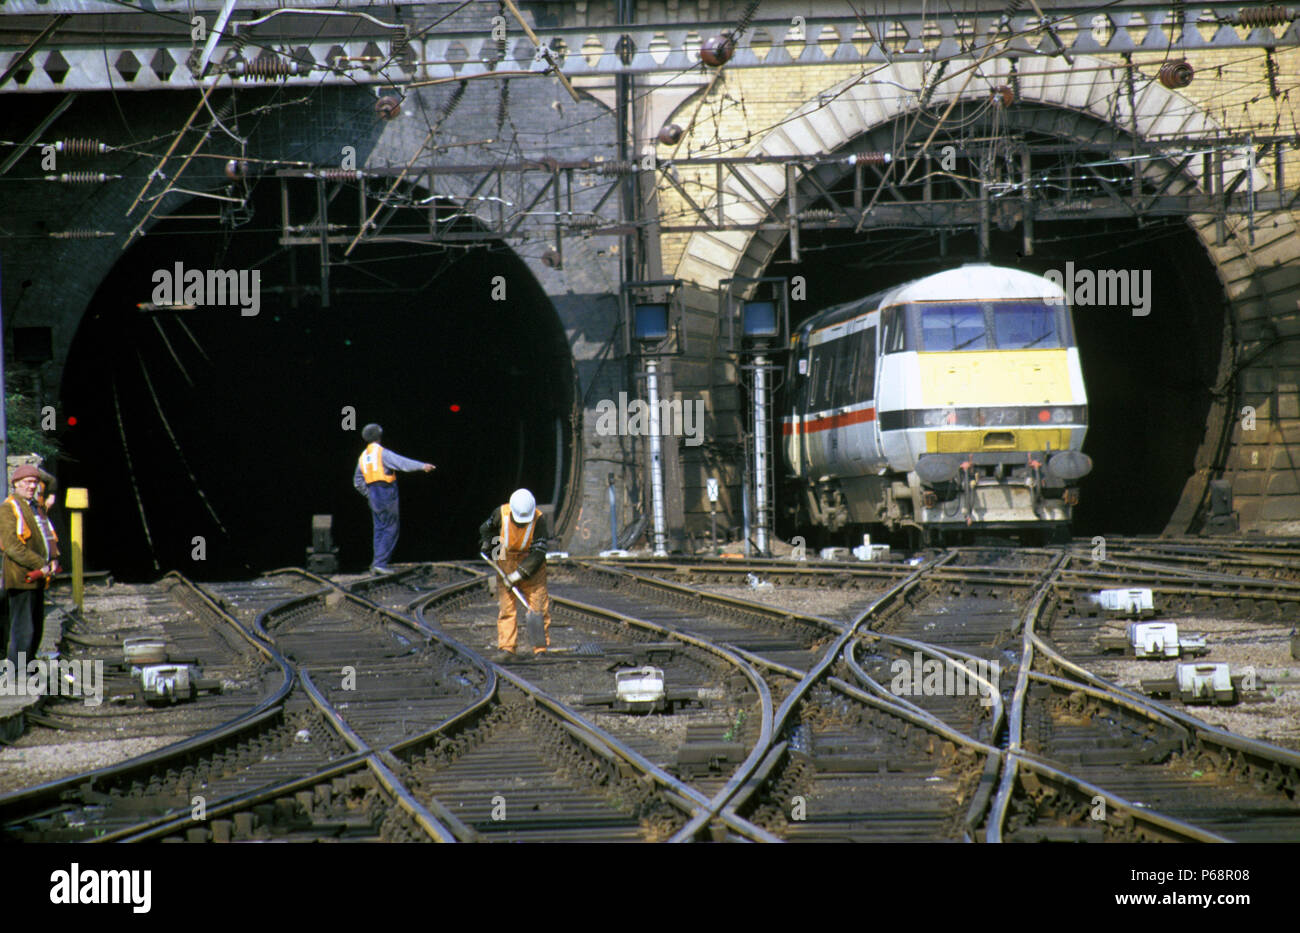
(515,537)
(372,466)
(25,532)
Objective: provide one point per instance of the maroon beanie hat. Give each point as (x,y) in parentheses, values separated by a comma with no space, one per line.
(25,471)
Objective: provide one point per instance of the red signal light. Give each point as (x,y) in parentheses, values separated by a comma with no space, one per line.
(454,407)
(72,421)
(1044,415)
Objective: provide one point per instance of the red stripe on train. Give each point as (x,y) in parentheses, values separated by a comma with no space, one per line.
(830,421)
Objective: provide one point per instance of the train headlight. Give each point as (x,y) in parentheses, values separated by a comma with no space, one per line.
(1063,414)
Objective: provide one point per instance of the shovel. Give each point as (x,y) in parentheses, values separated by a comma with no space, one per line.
(533,622)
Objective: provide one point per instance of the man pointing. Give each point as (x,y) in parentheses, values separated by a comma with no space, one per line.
(376,479)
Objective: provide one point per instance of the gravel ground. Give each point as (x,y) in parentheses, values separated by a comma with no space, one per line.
(1242,645)
(22,767)
(842,605)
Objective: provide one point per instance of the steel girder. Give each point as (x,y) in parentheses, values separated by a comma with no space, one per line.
(149,50)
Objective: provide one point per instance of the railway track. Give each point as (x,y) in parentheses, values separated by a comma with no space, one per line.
(785,726)
(992,595)
(715,704)
(188,629)
(1198,782)
(240,767)
(375,671)
(1230,562)
(846,763)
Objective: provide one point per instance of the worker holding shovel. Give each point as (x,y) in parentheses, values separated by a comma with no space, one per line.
(516,536)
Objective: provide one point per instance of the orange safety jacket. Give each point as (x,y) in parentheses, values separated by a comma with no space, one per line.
(516,538)
(49,538)
(24,532)
(372,465)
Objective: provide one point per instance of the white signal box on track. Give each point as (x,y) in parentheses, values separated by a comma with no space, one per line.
(1154,639)
(1205,683)
(869,551)
(1161,640)
(640,685)
(1130,602)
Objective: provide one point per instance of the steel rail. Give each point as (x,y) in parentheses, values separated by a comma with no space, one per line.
(1152,710)
(946,654)
(1015,718)
(800,690)
(1203,730)
(252,719)
(1116,699)
(764,740)
(1247,587)
(780,616)
(995,763)
(581,728)
(1201,573)
(166,824)
(633,757)
(687,797)
(431,825)
(997,758)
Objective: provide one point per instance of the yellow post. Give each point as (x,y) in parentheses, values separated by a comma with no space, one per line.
(77,500)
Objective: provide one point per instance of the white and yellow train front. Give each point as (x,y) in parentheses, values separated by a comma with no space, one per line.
(953,401)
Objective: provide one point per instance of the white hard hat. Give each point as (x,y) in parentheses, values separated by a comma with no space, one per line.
(522,506)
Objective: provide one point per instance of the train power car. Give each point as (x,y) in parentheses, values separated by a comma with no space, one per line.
(952,403)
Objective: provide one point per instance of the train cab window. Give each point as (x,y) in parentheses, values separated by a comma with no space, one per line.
(845,363)
(832,373)
(865,383)
(893,334)
(953,327)
(1020,326)
(822,378)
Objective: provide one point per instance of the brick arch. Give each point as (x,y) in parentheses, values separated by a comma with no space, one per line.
(1261,281)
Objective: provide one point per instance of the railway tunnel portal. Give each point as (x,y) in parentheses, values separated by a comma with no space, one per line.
(557,197)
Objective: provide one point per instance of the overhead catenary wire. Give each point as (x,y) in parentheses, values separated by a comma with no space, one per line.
(130,472)
(172,350)
(180,454)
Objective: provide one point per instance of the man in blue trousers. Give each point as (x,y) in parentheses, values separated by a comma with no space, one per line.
(376,479)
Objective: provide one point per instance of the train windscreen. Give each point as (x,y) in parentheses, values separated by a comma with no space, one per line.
(953,326)
(996,325)
(1024,325)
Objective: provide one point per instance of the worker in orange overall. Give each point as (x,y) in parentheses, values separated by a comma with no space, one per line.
(516,536)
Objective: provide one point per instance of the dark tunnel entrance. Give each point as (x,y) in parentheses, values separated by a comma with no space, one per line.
(237,429)
(1149,379)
